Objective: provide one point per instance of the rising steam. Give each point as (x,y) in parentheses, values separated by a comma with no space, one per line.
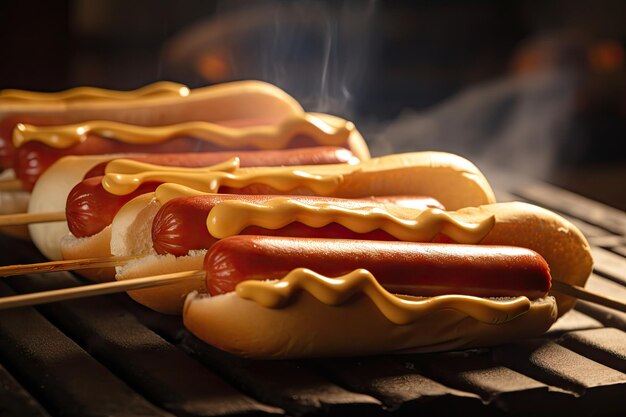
(318,52)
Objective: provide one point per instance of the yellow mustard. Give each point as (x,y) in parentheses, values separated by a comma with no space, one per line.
(398,310)
(160,88)
(229,218)
(263,137)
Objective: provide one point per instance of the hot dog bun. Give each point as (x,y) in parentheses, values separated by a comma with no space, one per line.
(167,299)
(251,100)
(451,179)
(96,246)
(319,320)
(39,147)
(560,243)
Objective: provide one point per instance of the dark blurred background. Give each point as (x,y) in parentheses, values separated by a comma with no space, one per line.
(533,88)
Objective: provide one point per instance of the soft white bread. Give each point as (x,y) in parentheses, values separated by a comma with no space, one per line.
(452,180)
(50,194)
(167,299)
(131,230)
(560,242)
(128,235)
(308,325)
(131,235)
(96,246)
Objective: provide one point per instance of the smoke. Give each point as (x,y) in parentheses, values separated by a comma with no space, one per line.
(318,52)
(517,124)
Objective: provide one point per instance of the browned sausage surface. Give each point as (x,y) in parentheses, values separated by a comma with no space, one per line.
(423,269)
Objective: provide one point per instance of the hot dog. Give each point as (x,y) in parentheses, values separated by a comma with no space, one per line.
(264,104)
(20,106)
(308,315)
(17,201)
(517,224)
(180,224)
(90,208)
(39,147)
(420,269)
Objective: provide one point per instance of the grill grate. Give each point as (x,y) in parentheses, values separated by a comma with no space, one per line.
(108,356)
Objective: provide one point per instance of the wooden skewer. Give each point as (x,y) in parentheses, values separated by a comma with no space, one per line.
(67,265)
(11,185)
(28,218)
(159,280)
(97,289)
(586,295)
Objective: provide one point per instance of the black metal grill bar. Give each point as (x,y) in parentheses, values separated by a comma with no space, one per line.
(607,316)
(153,367)
(610,265)
(574,205)
(64,378)
(398,384)
(15,400)
(110,356)
(606,346)
(287,384)
(572,321)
